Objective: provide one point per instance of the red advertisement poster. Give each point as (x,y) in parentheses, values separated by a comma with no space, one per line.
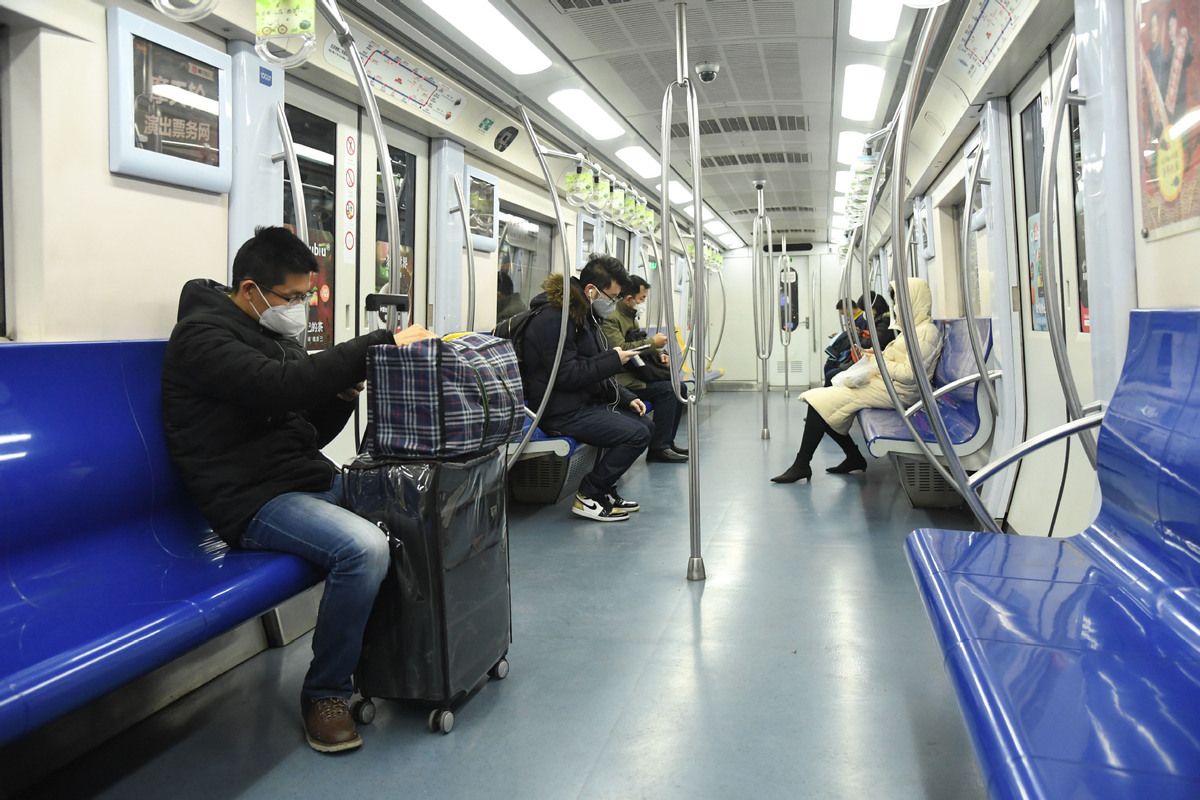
(1168,108)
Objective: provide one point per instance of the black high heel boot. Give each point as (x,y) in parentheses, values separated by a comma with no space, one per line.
(799,470)
(853,462)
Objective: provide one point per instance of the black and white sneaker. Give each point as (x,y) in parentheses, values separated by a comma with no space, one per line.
(621,504)
(597,508)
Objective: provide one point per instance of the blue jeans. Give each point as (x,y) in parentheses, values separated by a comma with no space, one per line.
(622,433)
(667,411)
(315,527)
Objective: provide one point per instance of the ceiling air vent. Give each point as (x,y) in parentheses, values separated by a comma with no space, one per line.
(743,159)
(576,5)
(750,212)
(738,124)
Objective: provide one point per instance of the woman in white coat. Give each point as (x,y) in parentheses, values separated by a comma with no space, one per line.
(831,409)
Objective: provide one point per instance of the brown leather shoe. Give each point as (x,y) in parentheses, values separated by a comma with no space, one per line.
(328,725)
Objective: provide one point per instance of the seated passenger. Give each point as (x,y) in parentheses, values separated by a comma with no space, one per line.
(883,321)
(622,331)
(839,354)
(587,403)
(246,411)
(831,409)
(508,302)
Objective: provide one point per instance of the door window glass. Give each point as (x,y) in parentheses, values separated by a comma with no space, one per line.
(1085,319)
(1031,149)
(316,140)
(394,275)
(525,248)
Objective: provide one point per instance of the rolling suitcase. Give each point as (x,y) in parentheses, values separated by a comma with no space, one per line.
(441,624)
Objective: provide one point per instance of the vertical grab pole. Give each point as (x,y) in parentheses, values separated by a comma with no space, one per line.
(463,212)
(785,330)
(293,170)
(1054,320)
(763,305)
(695,569)
(329,9)
(908,100)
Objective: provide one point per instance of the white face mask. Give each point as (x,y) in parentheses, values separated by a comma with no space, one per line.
(603,306)
(286,320)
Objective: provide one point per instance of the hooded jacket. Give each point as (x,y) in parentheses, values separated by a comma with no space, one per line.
(246,410)
(588,366)
(838,405)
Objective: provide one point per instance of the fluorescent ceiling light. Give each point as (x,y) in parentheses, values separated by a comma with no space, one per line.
(587,114)
(841,181)
(931,3)
(677,192)
(840,222)
(717,228)
(491,31)
(875,20)
(839,205)
(860,91)
(731,240)
(640,161)
(690,210)
(313,154)
(850,145)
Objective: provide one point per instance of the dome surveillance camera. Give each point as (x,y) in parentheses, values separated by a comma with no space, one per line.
(707,72)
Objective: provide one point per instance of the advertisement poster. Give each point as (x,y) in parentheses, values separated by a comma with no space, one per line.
(176,103)
(320,310)
(1168,100)
(1037,288)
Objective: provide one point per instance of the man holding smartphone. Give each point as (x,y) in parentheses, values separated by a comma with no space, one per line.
(621,330)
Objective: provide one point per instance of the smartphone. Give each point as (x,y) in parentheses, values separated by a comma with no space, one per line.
(643,347)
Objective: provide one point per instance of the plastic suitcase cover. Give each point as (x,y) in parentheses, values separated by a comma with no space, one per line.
(442,618)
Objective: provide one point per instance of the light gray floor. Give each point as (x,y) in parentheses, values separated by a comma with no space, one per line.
(803,667)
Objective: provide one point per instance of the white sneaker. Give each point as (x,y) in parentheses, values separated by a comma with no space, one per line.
(621,504)
(598,509)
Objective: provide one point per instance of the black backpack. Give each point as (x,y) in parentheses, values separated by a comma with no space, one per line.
(513,329)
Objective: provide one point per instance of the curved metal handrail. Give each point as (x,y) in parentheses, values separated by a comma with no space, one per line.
(293,168)
(873,196)
(933,20)
(1054,321)
(686,355)
(695,570)
(724,313)
(1081,426)
(785,330)
(329,9)
(463,213)
(562,328)
(947,388)
(967,278)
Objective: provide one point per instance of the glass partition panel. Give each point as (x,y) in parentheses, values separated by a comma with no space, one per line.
(1032,146)
(1085,319)
(394,275)
(525,261)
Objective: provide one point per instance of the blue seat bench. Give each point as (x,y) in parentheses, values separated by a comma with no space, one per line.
(1076,661)
(965,410)
(550,468)
(109,571)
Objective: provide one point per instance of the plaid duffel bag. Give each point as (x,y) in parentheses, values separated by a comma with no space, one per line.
(437,398)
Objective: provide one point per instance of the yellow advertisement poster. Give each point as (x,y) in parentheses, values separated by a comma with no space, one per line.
(1168,100)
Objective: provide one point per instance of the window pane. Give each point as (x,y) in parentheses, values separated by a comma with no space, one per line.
(404,177)
(1085,319)
(1031,141)
(525,262)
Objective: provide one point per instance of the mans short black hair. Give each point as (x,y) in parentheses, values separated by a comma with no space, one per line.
(504,283)
(602,271)
(268,257)
(634,285)
(842,302)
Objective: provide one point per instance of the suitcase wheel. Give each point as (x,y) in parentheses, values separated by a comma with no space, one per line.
(500,670)
(363,712)
(441,720)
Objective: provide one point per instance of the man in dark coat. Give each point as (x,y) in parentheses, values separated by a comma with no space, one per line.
(587,403)
(246,412)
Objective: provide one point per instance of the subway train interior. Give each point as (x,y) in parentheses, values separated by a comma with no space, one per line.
(998,596)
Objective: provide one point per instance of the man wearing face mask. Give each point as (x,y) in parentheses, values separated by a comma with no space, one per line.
(587,403)
(621,330)
(246,411)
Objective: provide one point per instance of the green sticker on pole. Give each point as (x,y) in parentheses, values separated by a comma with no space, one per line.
(284,17)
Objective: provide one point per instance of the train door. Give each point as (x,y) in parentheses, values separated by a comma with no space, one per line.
(1061,470)
(790,277)
(344,208)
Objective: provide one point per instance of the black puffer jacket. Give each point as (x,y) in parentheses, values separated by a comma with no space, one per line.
(586,376)
(246,410)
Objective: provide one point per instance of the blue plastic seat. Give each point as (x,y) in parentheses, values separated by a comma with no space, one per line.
(1077,661)
(109,571)
(965,410)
